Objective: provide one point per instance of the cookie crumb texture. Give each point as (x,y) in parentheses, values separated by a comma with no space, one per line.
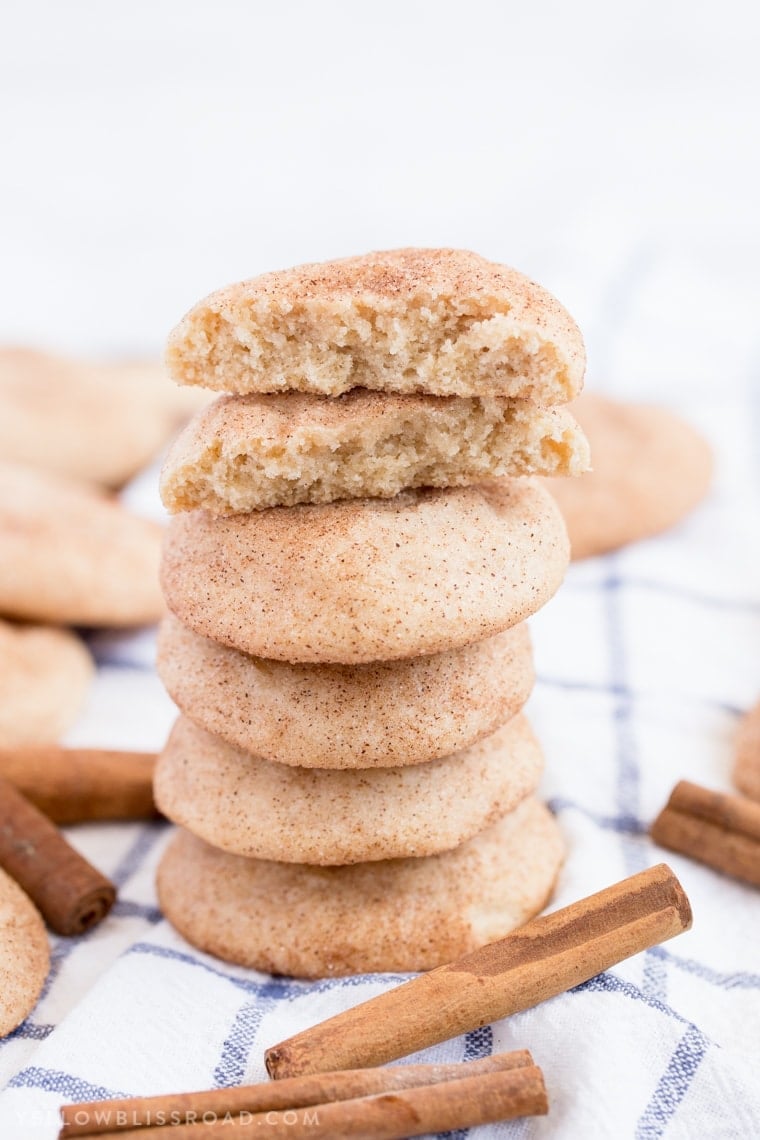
(253,452)
(393,915)
(440,321)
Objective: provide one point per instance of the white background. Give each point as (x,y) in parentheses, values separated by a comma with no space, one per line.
(155,150)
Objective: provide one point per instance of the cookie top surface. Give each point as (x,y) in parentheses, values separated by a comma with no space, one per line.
(438,321)
(396,915)
(69,554)
(262,809)
(649,469)
(382,714)
(252,452)
(24,955)
(368,579)
(44,676)
(95,421)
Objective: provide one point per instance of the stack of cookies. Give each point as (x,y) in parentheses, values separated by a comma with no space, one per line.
(354,552)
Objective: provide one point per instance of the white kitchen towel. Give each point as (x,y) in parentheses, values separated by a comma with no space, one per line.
(645,660)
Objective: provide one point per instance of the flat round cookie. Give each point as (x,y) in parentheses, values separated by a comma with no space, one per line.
(394,916)
(247,453)
(96,421)
(24,955)
(368,579)
(70,554)
(249,806)
(444,322)
(384,714)
(649,469)
(747,764)
(44,677)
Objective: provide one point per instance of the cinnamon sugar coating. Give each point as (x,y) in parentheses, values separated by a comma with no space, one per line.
(394,915)
(240,803)
(380,714)
(368,579)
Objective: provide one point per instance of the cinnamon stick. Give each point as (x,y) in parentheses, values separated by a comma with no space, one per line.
(299,1092)
(76,785)
(541,959)
(720,830)
(71,894)
(394,1115)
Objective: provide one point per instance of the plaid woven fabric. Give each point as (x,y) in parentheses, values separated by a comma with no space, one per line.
(645,660)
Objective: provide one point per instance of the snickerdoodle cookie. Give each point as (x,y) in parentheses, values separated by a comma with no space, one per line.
(249,806)
(247,453)
(24,955)
(44,676)
(444,322)
(99,421)
(649,469)
(368,579)
(395,915)
(383,714)
(70,554)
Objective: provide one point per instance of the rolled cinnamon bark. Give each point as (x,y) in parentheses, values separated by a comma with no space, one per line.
(76,785)
(537,961)
(271,1096)
(70,893)
(394,1115)
(720,830)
